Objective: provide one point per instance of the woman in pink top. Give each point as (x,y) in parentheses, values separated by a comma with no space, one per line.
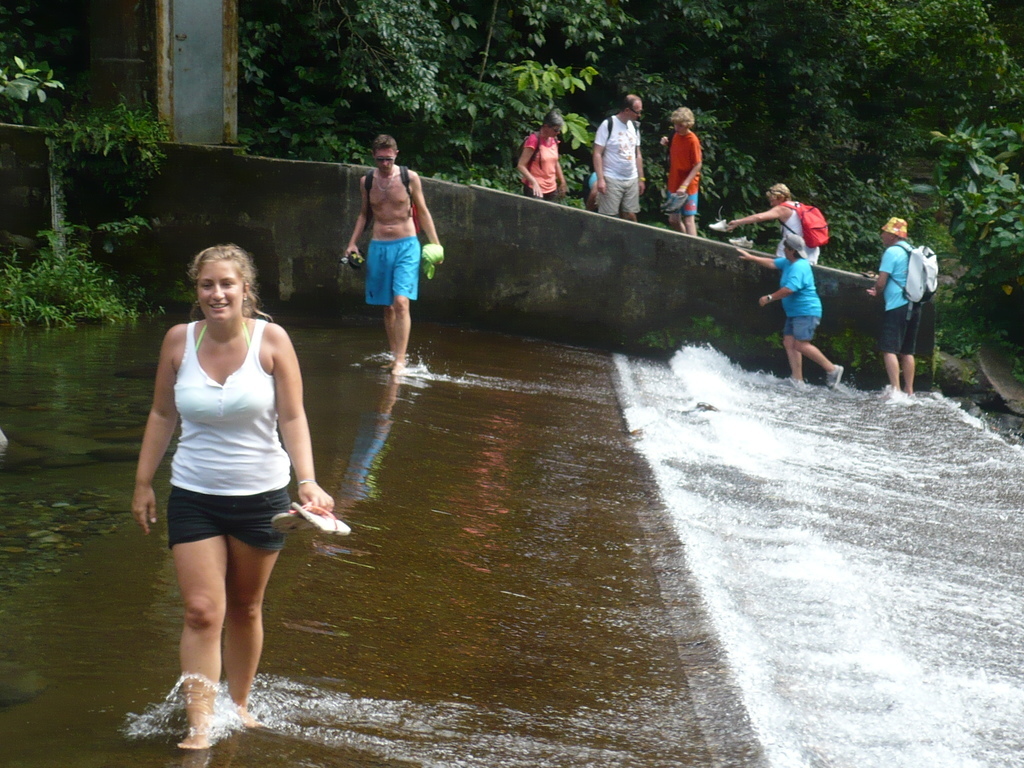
(539,165)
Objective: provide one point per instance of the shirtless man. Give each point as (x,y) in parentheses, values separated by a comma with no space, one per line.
(393,258)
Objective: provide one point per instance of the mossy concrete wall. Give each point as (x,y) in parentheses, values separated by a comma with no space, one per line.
(24,184)
(511,263)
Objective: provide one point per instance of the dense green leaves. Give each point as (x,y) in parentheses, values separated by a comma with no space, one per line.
(979,173)
(459,84)
(117,149)
(44,36)
(24,81)
(833,97)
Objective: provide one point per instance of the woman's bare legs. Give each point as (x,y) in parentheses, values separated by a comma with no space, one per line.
(201,567)
(796,360)
(248,572)
(222,584)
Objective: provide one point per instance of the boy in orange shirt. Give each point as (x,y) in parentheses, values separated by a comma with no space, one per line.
(684,164)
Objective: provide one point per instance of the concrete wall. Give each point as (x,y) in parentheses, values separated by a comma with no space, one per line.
(121,56)
(512,264)
(24,184)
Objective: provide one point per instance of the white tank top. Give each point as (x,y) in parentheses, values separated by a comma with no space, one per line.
(229,444)
(795,226)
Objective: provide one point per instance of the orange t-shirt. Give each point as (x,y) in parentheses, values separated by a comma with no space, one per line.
(683,154)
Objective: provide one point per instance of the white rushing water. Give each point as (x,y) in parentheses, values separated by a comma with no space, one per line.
(861,559)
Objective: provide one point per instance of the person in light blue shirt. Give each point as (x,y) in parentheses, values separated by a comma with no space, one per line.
(802,306)
(898,340)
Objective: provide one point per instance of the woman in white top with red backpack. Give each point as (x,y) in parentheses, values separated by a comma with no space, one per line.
(234,381)
(783,209)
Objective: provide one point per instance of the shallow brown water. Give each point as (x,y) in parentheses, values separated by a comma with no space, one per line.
(508,596)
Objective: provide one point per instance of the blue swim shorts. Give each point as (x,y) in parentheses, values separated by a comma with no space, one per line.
(801,328)
(392,269)
(689,207)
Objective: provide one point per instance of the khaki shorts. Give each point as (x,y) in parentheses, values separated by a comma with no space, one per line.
(623,195)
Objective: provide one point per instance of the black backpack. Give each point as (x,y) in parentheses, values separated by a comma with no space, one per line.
(403,171)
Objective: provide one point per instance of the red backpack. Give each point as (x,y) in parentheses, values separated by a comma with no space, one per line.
(812,220)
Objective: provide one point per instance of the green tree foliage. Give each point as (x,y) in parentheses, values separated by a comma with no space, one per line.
(979,175)
(116,149)
(836,98)
(44,31)
(23,81)
(833,97)
(444,78)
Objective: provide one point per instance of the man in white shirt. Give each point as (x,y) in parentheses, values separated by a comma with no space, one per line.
(619,163)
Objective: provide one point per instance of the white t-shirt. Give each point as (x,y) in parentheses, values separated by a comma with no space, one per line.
(619,148)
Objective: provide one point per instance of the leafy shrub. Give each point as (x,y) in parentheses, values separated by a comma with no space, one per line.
(979,177)
(118,149)
(62,285)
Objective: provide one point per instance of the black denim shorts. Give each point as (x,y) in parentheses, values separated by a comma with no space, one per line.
(195,516)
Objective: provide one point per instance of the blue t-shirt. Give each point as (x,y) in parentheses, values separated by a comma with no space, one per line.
(895,261)
(799,278)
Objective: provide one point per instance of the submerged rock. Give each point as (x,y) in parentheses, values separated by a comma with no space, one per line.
(18,685)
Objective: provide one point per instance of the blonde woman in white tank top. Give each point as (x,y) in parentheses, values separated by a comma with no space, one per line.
(789,222)
(234,382)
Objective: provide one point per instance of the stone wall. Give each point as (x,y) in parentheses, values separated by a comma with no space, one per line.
(511,263)
(24,184)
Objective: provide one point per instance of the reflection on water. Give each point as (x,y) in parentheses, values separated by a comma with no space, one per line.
(496,603)
(69,405)
(360,480)
(512,592)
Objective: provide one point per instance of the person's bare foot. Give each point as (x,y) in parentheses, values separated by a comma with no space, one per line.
(196,739)
(199,693)
(397,369)
(247,719)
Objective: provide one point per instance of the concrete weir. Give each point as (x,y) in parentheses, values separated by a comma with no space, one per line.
(512,264)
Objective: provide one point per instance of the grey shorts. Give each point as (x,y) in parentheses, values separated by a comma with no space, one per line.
(621,196)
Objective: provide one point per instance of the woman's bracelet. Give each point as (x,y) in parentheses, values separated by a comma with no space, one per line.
(306,481)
